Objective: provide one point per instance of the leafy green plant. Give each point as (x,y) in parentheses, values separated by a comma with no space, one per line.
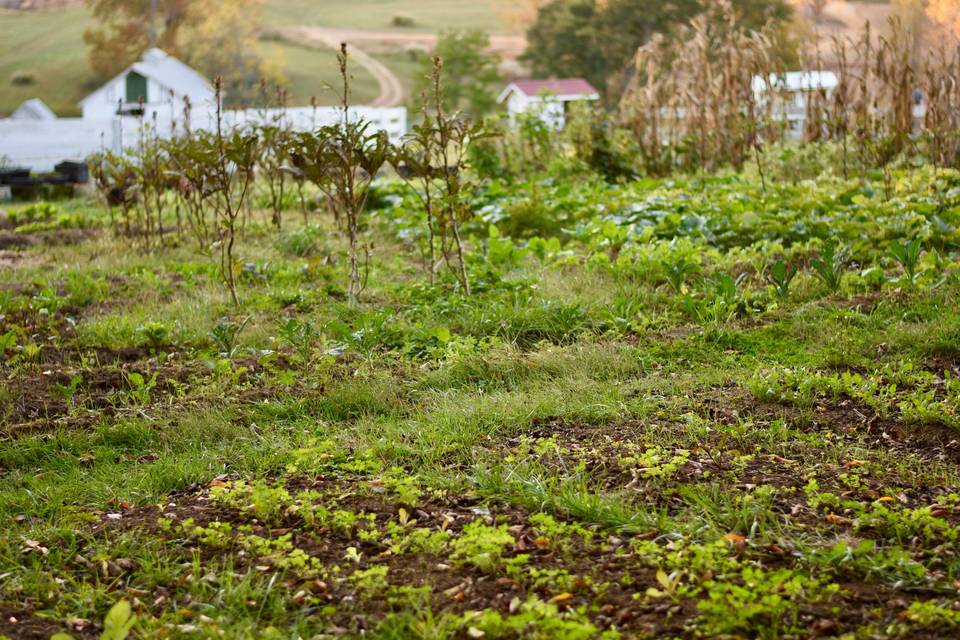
(342,160)
(155,333)
(275,138)
(829,267)
(117,624)
(226,334)
(766,604)
(8,341)
(481,545)
(301,335)
(259,499)
(139,387)
(435,157)
(908,255)
(678,272)
(69,390)
(780,275)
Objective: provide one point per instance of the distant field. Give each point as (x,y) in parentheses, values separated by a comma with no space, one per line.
(48,45)
(312,73)
(428,15)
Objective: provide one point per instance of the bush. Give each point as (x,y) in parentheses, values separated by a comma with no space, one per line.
(22,78)
(401,20)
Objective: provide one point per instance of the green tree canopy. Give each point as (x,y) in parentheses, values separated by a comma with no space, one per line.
(470,75)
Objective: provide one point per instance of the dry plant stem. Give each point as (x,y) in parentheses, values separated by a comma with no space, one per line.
(346,147)
(450,174)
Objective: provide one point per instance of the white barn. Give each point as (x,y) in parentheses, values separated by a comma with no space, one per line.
(549,99)
(159,81)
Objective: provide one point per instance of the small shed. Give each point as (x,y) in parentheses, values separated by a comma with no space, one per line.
(34,109)
(155,84)
(549,99)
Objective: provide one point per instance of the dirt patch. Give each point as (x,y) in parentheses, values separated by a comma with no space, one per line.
(42,399)
(847,417)
(659,463)
(21,624)
(10,240)
(454,588)
(599,576)
(941,364)
(21,260)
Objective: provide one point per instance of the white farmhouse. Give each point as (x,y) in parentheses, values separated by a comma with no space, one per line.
(549,99)
(159,83)
(790,92)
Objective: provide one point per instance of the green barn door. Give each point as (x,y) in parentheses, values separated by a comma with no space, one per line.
(136,87)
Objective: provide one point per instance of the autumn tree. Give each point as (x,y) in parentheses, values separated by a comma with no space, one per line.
(945,13)
(127,28)
(222,39)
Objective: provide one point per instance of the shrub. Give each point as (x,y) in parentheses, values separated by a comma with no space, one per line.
(21,78)
(402,20)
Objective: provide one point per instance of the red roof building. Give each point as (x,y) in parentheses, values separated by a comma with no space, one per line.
(547,99)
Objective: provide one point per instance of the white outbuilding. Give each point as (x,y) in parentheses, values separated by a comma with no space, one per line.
(790,93)
(154,85)
(550,100)
(34,109)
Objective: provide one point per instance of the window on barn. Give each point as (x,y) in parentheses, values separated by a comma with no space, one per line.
(136,87)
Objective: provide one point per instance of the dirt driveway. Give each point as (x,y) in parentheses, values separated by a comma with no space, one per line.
(365,44)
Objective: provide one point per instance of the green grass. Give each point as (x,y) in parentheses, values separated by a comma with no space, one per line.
(49,46)
(314,73)
(428,15)
(620,454)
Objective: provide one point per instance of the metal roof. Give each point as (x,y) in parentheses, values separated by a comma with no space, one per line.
(565,87)
(34,109)
(170,73)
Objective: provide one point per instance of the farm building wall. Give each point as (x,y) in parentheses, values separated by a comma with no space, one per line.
(103,104)
(39,145)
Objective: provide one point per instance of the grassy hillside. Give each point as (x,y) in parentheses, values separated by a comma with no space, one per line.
(309,72)
(428,15)
(49,46)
